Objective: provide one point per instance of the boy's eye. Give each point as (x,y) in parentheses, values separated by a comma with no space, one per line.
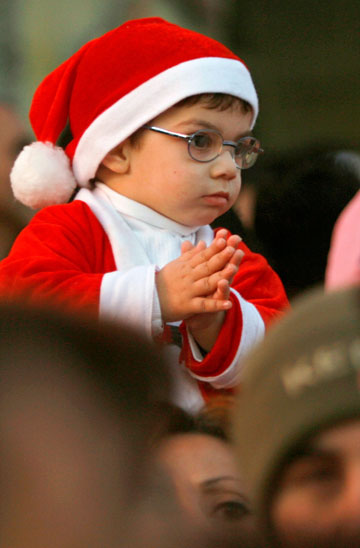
(203,140)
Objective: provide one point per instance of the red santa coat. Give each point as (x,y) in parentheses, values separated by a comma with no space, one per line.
(68,254)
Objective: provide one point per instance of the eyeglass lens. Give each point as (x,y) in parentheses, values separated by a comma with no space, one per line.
(205,146)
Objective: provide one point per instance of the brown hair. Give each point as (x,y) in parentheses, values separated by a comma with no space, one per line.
(216,101)
(212,419)
(213,101)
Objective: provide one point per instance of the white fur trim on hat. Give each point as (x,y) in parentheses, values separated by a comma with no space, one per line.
(42,176)
(123,118)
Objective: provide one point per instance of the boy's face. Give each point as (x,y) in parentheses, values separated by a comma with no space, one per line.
(165,178)
(318,498)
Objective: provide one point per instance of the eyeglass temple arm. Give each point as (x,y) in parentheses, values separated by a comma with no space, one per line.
(167,132)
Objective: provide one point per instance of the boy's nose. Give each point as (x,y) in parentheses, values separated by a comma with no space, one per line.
(224,165)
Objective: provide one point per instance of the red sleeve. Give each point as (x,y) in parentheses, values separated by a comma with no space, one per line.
(258,284)
(60,256)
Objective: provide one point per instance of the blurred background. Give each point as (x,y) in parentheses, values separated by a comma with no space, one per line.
(303,55)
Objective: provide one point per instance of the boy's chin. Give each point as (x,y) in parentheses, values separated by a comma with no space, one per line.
(211,217)
(200,218)
(204,221)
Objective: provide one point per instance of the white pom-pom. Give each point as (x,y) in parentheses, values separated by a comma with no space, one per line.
(42,176)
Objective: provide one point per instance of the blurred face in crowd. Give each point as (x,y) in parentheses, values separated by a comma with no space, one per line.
(207,482)
(63,460)
(318,496)
(12,138)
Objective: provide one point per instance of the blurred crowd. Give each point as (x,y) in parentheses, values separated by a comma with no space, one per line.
(95,453)
(13,137)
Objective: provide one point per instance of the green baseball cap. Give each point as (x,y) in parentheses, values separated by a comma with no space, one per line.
(303,377)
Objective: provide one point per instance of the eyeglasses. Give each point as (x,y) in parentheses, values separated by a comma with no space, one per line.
(207,144)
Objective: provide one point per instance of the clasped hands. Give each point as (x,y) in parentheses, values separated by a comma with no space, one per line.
(195,287)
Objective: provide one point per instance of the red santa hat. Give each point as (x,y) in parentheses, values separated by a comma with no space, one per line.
(110,88)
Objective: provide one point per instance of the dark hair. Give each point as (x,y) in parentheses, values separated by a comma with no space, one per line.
(213,419)
(298,202)
(216,101)
(213,101)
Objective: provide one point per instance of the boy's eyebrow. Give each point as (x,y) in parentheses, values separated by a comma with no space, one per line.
(205,124)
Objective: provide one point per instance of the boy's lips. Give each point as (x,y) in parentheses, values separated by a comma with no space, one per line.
(217,199)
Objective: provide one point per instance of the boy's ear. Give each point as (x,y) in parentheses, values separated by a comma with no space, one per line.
(118,159)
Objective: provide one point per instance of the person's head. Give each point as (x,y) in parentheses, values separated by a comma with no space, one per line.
(159,170)
(13,137)
(137,75)
(10,227)
(299,412)
(195,453)
(343,261)
(297,204)
(75,406)
(317,495)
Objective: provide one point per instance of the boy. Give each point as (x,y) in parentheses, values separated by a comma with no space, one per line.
(148,151)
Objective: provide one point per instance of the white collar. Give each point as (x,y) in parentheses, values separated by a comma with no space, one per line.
(139,211)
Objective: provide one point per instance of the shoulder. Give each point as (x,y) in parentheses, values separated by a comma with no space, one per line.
(76,213)
(76,207)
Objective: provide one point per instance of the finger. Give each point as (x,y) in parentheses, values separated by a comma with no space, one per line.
(186,246)
(207,285)
(231,239)
(216,263)
(208,305)
(192,251)
(222,233)
(226,276)
(218,244)
(234,240)
(223,290)
(228,273)
(237,257)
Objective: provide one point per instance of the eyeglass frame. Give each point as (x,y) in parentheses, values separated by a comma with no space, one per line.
(188,138)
